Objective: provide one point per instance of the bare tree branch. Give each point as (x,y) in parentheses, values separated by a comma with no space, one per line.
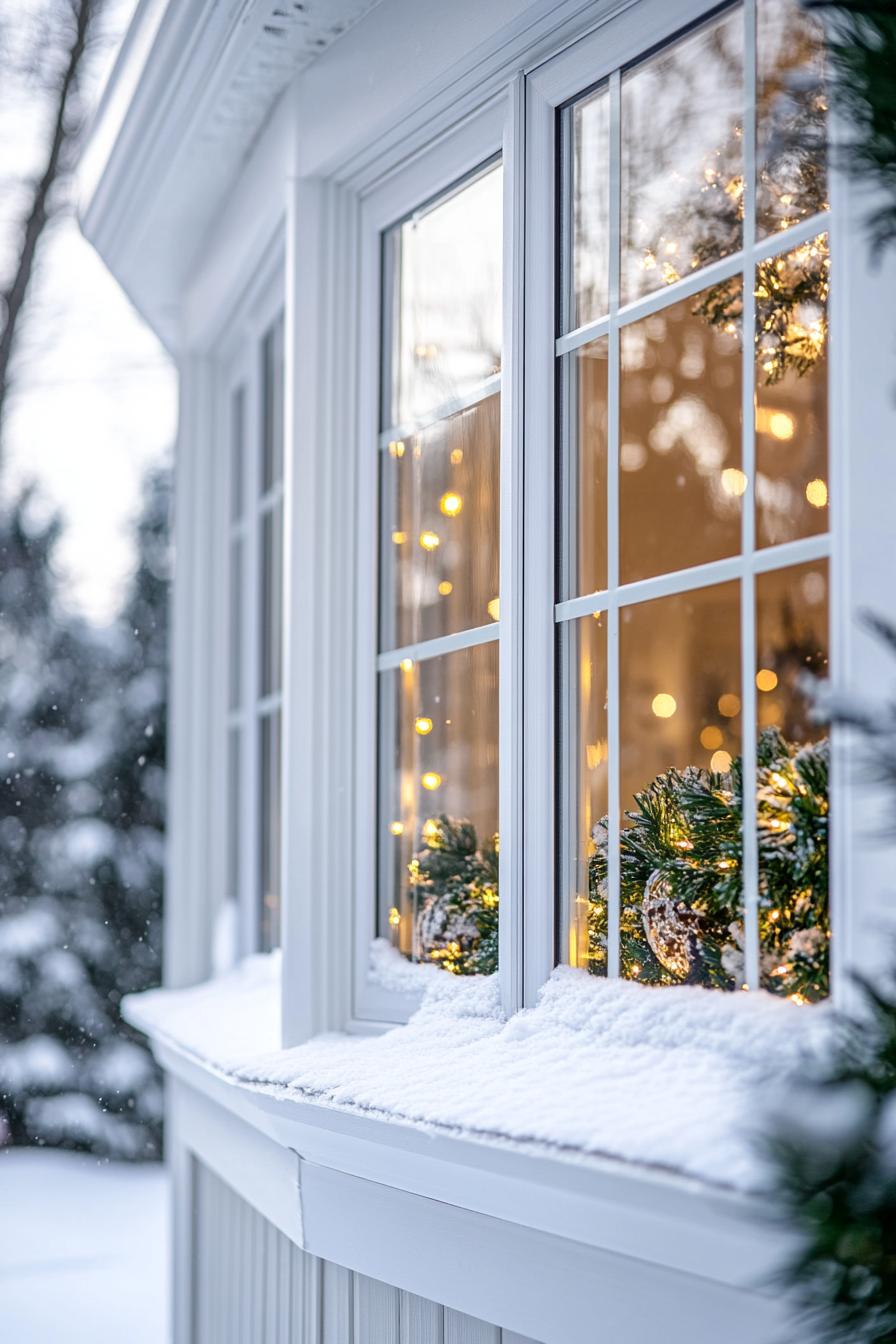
(65,127)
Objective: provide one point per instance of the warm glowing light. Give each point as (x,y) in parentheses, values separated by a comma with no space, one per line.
(430,830)
(664,705)
(729,705)
(429,540)
(766,679)
(457,456)
(817,493)
(595,754)
(780,424)
(431,780)
(720,762)
(446,587)
(636,969)
(711,737)
(394,917)
(396,448)
(797,998)
(734,481)
(407,664)
(451,504)
(423,724)
(399,538)
(494,608)
(396,827)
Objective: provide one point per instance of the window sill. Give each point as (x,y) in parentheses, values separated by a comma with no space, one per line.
(410,1180)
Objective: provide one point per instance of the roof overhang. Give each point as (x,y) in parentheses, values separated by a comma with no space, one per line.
(194,83)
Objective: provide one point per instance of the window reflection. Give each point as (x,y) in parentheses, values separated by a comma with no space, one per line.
(439,531)
(591,208)
(680,477)
(447,263)
(438,816)
(682,157)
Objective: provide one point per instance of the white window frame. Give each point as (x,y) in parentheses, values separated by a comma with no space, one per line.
(238,361)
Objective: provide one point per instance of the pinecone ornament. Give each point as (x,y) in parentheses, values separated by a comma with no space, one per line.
(671,928)
(447,924)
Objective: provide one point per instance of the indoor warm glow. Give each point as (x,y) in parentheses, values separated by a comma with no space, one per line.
(734,482)
(446,587)
(396,827)
(664,705)
(399,538)
(494,609)
(711,737)
(729,705)
(457,456)
(423,724)
(394,917)
(430,830)
(720,763)
(407,664)
(429,540)
(451,504)
(766,679)
(817,494)
(396,448)
(431,780)
(780,424)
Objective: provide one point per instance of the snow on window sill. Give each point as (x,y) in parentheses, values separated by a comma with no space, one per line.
(674,1079)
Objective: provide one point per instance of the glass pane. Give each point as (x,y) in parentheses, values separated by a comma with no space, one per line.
(272,407)
(269,829)
(591,208)
(791,107)
(235,631)
(234,811)
(680,738)
(682,157)
(237,449)
(271,599)
(792,394)
(583,678)
(439,528)
(584,501)
(680,478)
(446,264)
(792,625)
(439,809)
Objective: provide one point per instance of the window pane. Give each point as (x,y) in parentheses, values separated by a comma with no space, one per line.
(791,106)
(234,811)
(583,676)
(447,315)
(439,530)
(272,407)
(792,394)
(271,599)
(680,737)
(583,512)
(680,478)
(591,208)
(237,450)
(235,633)
(792,781)
(682,161)
(269,829)
(439,809)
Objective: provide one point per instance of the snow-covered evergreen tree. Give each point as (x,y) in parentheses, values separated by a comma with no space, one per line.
(82,717)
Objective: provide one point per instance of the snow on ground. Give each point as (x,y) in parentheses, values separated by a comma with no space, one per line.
(84,1249)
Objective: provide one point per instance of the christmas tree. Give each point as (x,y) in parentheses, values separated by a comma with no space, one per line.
(454,888)
(681,876)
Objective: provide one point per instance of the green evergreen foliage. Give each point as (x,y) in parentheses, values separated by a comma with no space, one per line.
(681,859)
(454,887)
(862,58)
(82,715)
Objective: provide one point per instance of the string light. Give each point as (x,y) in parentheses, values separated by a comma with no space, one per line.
(431,780)
(457,456)
(720,762)
(734,481)
(766,679)
(407,664)
(451,504)
(729,705)
(396,827)
(394,917)
(399,538)
(711,737)
(396,448)
(817,493)
(429,540)
(423,724)
(446,587)
(664,705)
(430,830)
(494,608)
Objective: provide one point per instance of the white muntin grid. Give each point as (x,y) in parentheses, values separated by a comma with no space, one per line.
(254,675)
(742,567)
(392,660)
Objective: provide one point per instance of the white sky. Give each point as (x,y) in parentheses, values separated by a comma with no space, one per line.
(94,402)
